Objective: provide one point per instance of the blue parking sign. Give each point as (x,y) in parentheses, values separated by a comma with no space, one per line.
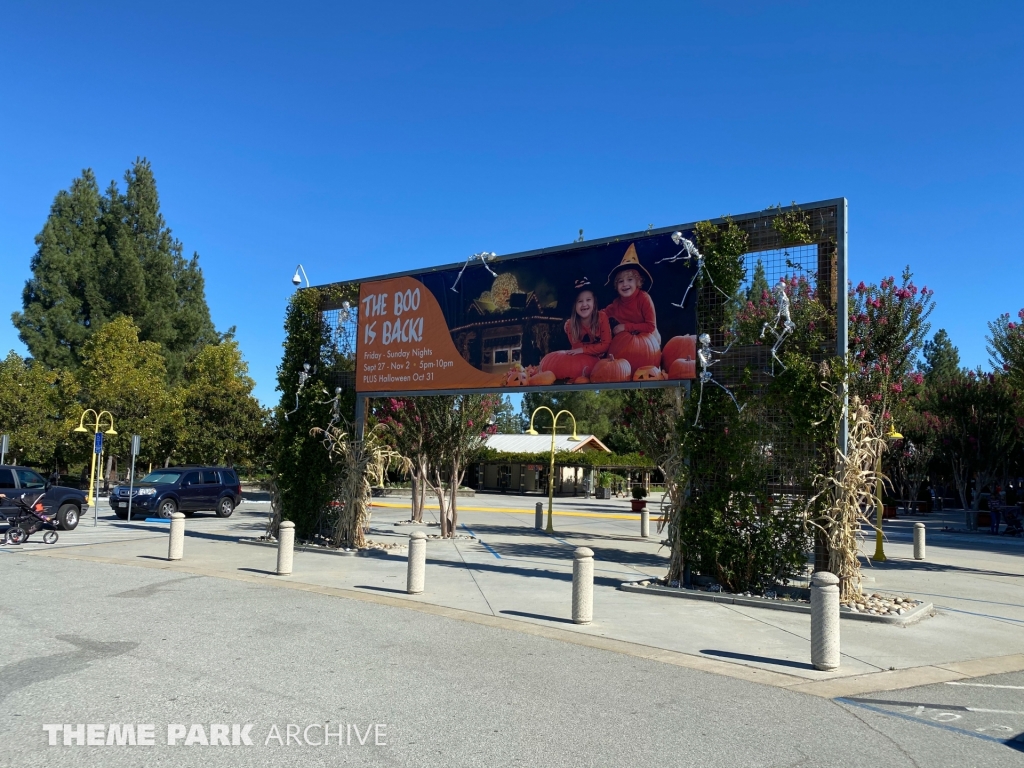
(98,447)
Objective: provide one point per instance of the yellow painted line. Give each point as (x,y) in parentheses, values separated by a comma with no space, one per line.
(506,511)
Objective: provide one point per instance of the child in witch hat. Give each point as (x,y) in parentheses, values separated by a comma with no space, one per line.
(589,334)
(635,325)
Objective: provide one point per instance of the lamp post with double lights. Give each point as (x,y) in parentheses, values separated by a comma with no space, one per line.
(551,471)
(97,445)
(879,556)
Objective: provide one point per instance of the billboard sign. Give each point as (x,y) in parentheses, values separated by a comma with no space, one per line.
(606,313)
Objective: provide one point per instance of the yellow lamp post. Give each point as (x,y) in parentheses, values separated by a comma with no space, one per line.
(95,428)
(879,556)
(551,472)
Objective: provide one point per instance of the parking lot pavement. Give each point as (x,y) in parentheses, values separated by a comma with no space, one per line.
(986,708)
(128,645)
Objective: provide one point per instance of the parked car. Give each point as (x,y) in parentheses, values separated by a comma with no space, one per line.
(28,484)
(188,490)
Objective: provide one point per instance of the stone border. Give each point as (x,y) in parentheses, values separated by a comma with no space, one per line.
(368,552)
(911,617)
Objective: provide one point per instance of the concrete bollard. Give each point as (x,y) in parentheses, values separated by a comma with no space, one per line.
(285,547)
(176,542)
(538,517)
(825,621)
(416,574)
(645,523)
(919,541)
(583,586)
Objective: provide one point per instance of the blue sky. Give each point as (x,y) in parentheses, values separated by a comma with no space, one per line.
(366,138)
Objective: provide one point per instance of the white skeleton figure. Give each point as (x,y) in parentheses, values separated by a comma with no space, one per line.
(483,256)
(304,375)
(781,316)
(691,251)
(704,357)
(335,403)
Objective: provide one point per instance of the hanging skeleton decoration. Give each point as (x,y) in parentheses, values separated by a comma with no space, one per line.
(694,255)
(483,256)
(781,316)
(705,359)
(335,403)
(304,375)
(345,331)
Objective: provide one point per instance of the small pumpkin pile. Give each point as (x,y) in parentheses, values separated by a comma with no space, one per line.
(518,376)
(679,358)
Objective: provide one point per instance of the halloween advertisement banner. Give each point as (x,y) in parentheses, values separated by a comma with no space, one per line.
(608,313)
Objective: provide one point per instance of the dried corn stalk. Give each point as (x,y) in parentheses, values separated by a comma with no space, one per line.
(361,464)
(849,495)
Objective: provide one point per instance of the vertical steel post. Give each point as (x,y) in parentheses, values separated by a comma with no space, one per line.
(360,416)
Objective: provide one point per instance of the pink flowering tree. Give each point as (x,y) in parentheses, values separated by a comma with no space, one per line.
(456,426)
(813,321)
(406,427)
(888,327)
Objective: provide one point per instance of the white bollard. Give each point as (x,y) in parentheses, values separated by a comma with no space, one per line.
(825,621)
(416,574)
(645,523)
(176,542)
(285,547)
(583,586)
(919,541)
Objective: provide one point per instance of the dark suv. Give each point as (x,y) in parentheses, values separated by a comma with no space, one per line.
(180,489)
(28,484)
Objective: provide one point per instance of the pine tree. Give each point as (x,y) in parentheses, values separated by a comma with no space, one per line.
(105,256)
(941,358)
(758,285)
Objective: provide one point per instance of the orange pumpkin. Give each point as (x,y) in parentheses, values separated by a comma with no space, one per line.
(648,373)
(610,371)
(542,379)
(516,376)
(683,369)
(678,348)
(640,349)
(566,366)
(581,380)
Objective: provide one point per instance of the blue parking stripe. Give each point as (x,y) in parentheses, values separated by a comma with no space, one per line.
(486,546)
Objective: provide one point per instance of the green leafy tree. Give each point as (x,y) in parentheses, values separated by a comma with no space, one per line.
(127,377)
(99,257)
(1006,347)
(941,358)
(222,423)
(38,410)
(979,427)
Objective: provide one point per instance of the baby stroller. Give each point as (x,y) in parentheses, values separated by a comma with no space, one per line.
(1012,517)
(30,518)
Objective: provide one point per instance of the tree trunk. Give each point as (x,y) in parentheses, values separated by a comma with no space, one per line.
(414,487)
(960,479)
(457,475)
(437,485)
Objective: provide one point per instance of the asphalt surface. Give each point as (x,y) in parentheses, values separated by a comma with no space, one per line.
(90,643)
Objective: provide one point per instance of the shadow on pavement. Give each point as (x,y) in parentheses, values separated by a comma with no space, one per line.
(534,573)
(260,571)
(540,616)
(556,551)
(380,589)
(758,659)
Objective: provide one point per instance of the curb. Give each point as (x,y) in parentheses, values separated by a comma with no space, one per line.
(370,552)
(911,617)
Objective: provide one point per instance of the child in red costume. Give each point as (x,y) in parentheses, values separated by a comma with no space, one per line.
(635,329)
(589,334)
